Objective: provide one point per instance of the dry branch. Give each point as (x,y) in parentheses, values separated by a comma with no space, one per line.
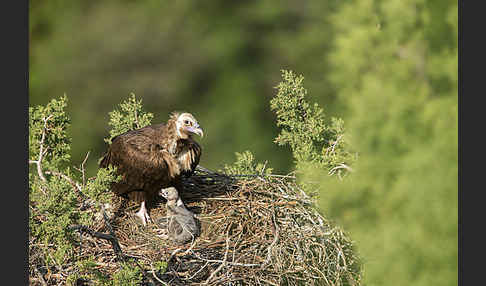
(112,239)
(42,152)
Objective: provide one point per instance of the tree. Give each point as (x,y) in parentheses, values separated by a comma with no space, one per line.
(61,200)
(395,69)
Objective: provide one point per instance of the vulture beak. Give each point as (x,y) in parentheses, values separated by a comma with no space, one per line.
(196,129)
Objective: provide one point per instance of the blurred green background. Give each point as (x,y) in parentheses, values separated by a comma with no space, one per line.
(387,67)
(219,60)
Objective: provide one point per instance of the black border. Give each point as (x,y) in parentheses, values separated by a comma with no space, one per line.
(14,138)
(471,148)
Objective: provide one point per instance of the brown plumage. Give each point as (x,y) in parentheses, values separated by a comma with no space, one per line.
(182,226)
(154,157)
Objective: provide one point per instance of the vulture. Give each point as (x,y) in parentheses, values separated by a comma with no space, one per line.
(152,158)
(182,226)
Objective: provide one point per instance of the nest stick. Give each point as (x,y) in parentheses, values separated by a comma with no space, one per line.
(223,262)
(110,238)
(41,278)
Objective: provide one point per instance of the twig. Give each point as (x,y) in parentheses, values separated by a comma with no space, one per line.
(75,185)
(174,253)
(80,243)
(340,166)
(261,175)
(223,262)
(83,169)
(222,199)
(120,255)
(38,162)
(41,277)
(107,223)
(194,275)
(155,275)
(112,239)
(275,239)
(193,243)
(287,197)
(269,282)
(229,262)
(136,118)
(71,181)
(334,145)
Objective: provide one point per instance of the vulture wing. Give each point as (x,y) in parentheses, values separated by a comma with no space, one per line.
(141,160)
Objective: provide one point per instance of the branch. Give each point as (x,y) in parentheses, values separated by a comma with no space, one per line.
(136,117)
(155,275)
(228,262)
(110,238)
(269,250)
(194,275)
(107,223)
(223,262)
(83,169)
(333,146)
(38,162)
(41,277)
(340,166)
(71,181)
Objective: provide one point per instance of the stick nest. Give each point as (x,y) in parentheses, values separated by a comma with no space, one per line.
(255,230)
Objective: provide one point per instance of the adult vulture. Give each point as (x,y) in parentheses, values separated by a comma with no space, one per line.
(154,157)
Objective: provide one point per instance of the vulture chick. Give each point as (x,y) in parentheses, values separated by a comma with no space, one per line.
(182,226)
(154,157)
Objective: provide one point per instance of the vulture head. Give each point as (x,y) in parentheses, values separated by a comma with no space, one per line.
(172,196)
(187,125)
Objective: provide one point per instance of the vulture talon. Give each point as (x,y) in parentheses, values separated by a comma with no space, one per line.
(143,214)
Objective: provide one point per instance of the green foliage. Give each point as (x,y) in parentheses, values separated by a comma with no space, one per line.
(160,266)
(87,269)
(130,116)
(55,200)
(304,128)
(245,164)
(53,209)
(127,275)
(48,124)
(398,81)
(52,201)
(99,189)
(58,198)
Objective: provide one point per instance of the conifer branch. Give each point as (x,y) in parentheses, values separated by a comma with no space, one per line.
(42,152)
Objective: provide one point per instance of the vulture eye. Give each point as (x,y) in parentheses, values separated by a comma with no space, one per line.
(186,122)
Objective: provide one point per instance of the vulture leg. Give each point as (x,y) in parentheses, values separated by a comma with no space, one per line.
(143,214)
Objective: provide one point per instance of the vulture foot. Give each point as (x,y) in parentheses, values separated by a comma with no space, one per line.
(143,214)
